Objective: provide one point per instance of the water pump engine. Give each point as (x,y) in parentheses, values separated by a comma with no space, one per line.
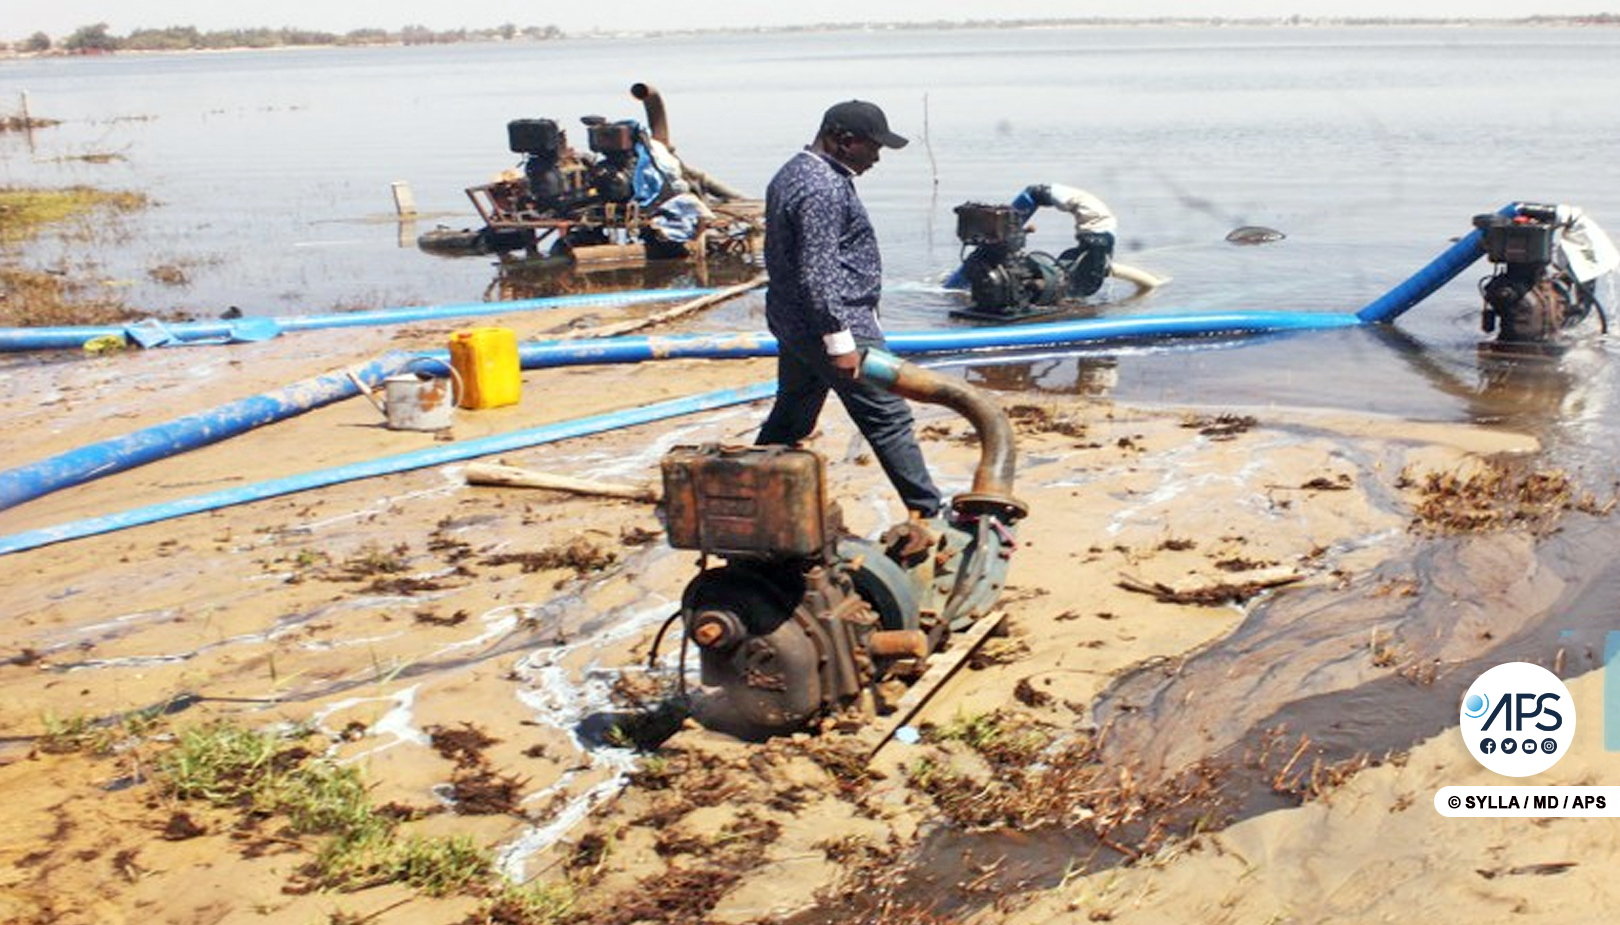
(1547,260)
(614,143)
(1006,281)
(561,183)
(544,146)
(800,618)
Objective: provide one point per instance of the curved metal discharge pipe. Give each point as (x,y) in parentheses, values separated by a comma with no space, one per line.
(998,455)
(72,337)
(658,127)
(432,456)
(657,119)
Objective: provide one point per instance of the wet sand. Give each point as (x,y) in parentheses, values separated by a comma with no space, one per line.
(388,610)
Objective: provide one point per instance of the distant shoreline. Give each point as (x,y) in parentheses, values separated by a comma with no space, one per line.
(481,37)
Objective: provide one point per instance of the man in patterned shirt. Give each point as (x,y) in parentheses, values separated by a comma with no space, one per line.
(826,273)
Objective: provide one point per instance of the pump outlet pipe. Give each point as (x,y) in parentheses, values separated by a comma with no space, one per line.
(1427,281)
(657,118)
(992,490)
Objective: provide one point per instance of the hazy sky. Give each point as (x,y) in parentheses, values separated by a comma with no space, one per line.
(60,17)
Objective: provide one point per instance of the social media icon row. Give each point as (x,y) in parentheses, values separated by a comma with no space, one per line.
(1488,745)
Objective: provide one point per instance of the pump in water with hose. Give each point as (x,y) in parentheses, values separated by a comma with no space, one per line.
(1007,282)
(1547,261)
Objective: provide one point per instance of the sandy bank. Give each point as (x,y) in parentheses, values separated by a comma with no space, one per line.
(385,610)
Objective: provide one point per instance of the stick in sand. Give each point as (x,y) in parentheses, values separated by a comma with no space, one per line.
(669,314)
(513,477)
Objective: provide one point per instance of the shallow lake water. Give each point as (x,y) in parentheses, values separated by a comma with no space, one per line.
(1370,148)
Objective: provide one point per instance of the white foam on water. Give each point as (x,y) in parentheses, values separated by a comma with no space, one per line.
(398,723)
(562,700)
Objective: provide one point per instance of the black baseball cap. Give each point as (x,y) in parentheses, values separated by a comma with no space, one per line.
(864,119)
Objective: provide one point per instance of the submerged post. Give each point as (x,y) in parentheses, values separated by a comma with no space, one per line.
(404,199)
(27,120)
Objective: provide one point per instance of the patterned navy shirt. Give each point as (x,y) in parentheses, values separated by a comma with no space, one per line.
(821,253)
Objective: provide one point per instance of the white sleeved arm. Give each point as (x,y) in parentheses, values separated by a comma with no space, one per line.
(1090,213)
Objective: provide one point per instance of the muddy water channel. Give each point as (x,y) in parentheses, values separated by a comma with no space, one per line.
(1315,685)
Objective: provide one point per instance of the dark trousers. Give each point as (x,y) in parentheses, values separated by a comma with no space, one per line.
(803,376)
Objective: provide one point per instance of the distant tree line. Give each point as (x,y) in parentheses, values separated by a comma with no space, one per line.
(96,38)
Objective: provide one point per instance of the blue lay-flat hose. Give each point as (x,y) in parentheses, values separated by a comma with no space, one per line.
(75,467)
(1427,281)
(34,480)
(948,340)
(105,457)
(431,456)
(72,337)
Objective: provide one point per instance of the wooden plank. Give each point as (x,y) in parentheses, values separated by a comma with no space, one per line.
(942,665)
(514,477)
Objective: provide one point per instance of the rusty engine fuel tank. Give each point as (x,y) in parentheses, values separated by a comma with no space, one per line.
(802,619)
(765,502)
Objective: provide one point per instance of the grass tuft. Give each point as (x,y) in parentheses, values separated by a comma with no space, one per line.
(371,857)
(261,773)
(221,763)
(529,904)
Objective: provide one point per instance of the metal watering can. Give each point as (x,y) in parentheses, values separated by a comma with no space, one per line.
(415,400)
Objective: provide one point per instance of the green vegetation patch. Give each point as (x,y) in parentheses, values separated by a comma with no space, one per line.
(261,774)
(30,297)
(25,211)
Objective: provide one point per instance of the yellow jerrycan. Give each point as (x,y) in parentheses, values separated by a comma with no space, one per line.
(486,359)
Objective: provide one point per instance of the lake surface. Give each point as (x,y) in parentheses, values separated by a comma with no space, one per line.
(1371,148)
